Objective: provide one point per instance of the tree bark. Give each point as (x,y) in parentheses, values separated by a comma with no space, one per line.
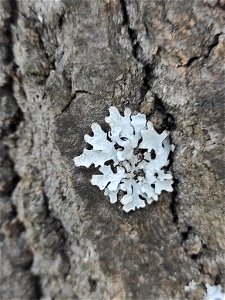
(63,64)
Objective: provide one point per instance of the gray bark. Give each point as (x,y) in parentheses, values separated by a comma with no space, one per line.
(63,64)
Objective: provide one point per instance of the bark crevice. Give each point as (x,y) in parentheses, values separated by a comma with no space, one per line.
(214,43)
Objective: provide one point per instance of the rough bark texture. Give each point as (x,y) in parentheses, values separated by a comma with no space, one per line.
(63,64)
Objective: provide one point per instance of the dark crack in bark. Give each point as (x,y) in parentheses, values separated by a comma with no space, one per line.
(148,68)
(169,124)
(67,106)
(214,43)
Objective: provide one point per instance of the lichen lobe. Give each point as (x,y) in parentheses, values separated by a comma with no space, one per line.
(132,157)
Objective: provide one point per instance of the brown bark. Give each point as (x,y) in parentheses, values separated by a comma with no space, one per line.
(63,64)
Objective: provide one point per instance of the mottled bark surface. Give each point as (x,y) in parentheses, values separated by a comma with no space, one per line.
(63,64)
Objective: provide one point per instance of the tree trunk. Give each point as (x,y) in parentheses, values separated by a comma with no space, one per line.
(63,64)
